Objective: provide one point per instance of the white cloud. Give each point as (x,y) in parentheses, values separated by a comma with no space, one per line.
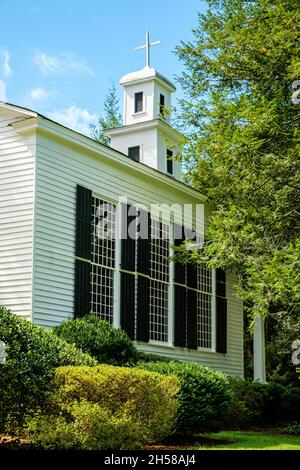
(6,68)
(2,91)
(39,94)
(76,118)
(62,63)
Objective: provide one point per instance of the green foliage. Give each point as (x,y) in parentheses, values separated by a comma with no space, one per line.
(293,429)
(112,117)
(32,353)
(204,394)
(106,407)
(96,337)
(86,426)
(256,403)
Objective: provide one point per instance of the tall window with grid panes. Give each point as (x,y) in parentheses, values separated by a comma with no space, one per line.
(187,310)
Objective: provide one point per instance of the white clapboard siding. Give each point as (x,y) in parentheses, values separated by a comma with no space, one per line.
(60,166)
(16,216)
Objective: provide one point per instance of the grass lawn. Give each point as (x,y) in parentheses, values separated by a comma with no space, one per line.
(244,440)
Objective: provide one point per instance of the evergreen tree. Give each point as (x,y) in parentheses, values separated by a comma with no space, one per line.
(112,117)
(242,113)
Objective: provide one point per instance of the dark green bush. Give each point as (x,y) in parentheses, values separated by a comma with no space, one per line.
(257,403)
(32,352)
(204,394)
(106,407)
(248,402)
(291,403)
(96,337)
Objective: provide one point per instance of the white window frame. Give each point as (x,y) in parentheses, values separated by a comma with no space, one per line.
(170,317)
(108,200)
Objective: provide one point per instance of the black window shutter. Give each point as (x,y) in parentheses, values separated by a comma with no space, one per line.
(221,283)
(82,288)
(83,222)
(191,313)
(127,303)
(143,300)
(191,275)
(221,336)
(180,316)
(143,243)
(180,269)
(221,311)
(127,242)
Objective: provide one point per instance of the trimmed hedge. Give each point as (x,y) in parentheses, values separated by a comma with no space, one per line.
(98,338)
(204,395)
(106,407)
(257,403)
(32,352)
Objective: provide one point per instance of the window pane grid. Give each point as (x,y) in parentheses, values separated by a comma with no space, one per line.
(159,281)
(204,320)
(103,259)
(158,311)
(204,307)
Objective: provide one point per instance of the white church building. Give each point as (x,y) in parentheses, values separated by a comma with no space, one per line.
(58,186)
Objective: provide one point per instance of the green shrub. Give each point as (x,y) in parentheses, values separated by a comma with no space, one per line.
(293,429)
(248,403)
(291,403)
(204,394)
(257,403)
(32,352)
(106,407)
(87,426)
(96,337)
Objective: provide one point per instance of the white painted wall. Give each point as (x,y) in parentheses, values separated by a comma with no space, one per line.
(129,116)
(162,145)
(145,138)
(159,89)
(153,148)
(16,215)
(151,92)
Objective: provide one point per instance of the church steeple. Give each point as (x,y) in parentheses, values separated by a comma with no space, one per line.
(146,134)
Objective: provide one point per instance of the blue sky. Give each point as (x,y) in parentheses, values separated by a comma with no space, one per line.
(59,57)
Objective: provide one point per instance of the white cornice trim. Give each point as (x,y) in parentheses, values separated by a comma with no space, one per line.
(17,109)
(145,125)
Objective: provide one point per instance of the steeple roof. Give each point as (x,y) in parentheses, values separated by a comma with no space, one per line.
(145,74)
